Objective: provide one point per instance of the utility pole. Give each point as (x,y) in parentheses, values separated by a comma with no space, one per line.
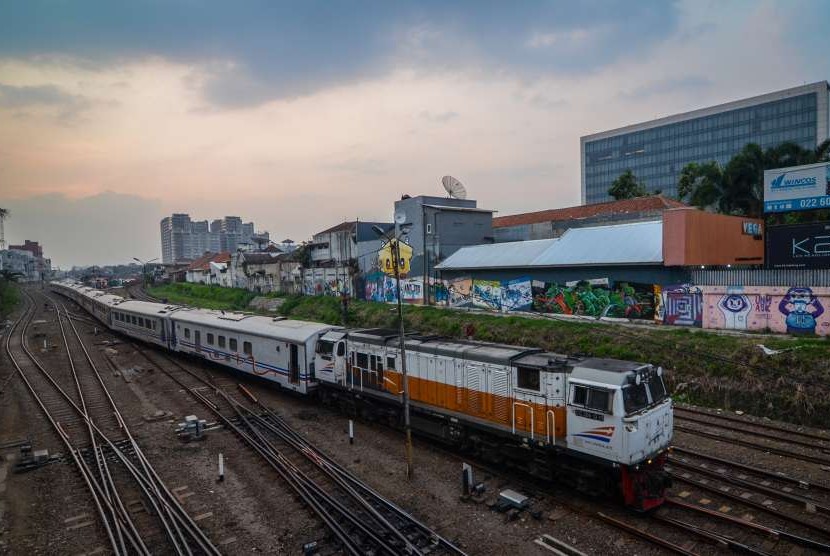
(396,251)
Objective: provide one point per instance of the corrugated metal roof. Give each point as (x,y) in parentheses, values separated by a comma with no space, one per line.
(497,255)
(635,243)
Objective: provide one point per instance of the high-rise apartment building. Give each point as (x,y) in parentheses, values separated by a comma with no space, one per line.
(186,239)
(657,151)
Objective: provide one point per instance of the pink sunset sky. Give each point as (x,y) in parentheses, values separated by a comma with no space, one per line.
(110,120)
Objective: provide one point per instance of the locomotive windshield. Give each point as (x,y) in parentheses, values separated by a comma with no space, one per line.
(637,397)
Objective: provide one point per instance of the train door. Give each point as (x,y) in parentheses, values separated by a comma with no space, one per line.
(197,340)
(294,364)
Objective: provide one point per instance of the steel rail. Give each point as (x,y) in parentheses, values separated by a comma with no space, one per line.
(801,483)
(161,492)
(349,476)
(771,531)
(121,520)
(711,536)
(76,457)
(331,468)
(145,481)
(772,492)
(309,491)
(659,541)
(777,438)
(754,445)
(308,451)
(769,426)
(751,503)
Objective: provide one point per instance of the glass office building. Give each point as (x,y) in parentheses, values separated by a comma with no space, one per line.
(657,151)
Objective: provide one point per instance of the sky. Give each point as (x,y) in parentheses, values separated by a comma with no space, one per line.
(301,115)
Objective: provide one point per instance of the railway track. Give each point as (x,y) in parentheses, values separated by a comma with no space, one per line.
(360,519)
(90,426)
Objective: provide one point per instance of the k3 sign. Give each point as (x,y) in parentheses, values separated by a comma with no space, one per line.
(799,246)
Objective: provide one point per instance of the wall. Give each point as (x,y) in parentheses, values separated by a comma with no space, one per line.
(328,281)
(679,305)
(594,298)
(792,310)
(693,237)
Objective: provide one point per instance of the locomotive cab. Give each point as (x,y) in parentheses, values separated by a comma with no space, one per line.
(620,411)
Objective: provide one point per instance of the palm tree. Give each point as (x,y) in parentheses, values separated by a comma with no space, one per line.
(738,188)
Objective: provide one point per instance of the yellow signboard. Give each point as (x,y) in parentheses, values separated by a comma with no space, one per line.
(386,259)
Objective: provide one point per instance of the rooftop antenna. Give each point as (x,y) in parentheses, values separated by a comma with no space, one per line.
(455,189)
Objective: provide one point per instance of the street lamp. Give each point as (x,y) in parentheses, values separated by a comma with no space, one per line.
(395,251)
(144,269)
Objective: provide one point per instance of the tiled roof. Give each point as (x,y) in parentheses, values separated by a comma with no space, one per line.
(340,227)
(203,262)
(639,204)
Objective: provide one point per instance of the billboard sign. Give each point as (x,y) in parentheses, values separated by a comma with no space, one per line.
(799,246)
(797,188)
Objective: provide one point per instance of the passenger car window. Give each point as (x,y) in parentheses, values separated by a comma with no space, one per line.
(247,348)
(580,395)
(362,361)
(210,338)
(232,344)
(341,349)
(390,363)
(221,341)
(528,378)
(187,333)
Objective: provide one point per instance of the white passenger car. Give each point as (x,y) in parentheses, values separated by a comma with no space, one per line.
(277,349)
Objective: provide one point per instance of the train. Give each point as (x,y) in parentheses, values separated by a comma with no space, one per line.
(602,426)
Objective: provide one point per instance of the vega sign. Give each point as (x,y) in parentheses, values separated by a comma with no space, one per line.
(797,188)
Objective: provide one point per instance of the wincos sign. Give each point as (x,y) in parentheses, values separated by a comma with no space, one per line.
(797,188)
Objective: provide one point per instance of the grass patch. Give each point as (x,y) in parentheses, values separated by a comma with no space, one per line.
(9,297)
(206,297)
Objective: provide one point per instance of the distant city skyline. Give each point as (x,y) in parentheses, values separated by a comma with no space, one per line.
(302,116)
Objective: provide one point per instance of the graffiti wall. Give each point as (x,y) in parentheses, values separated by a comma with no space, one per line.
(327,281)
(791,310)
(382,288)
(596,298)
(679,305)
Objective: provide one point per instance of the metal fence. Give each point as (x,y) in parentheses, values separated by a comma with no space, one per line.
(761,277)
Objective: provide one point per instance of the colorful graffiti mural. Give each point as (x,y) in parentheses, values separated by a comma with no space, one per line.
(679,305)
(791,310)
(594,298)
(382,288)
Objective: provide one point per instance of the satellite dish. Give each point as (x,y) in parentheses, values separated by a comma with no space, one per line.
(400,218)
(455,188)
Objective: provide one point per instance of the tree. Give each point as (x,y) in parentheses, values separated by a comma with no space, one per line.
(627,186)
(738,188)
(701,183)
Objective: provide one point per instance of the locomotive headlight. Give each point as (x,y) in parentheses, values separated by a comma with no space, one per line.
(659,371)
(638,379)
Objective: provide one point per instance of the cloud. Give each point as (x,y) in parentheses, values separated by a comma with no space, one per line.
(258,51)
(66,107)
(438,118)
